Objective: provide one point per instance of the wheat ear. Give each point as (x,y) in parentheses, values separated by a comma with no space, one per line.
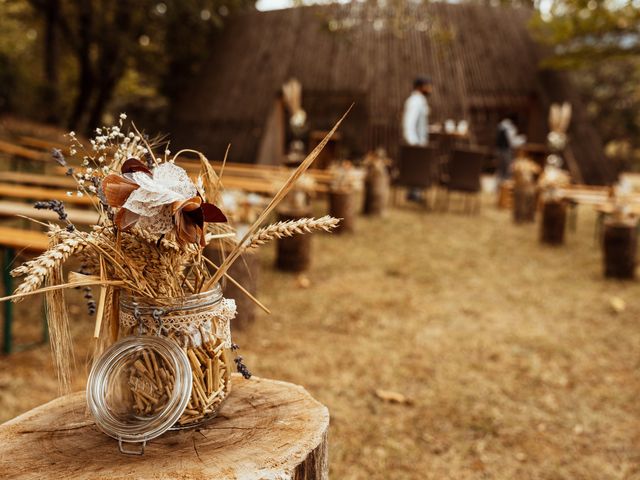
(38,269)
(289,229)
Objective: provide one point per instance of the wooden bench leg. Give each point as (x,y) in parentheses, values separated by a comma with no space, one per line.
(7,338)
(7,330)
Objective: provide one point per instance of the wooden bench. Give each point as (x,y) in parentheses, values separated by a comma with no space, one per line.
(12,240)
(40,193)
(76,216)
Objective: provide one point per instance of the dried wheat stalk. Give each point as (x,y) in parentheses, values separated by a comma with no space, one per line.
(289,229)
(41,267)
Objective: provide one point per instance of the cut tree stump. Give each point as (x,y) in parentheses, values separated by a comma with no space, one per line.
(552,227)
(376,190)
(245,270)
(524,203)
(265,430)
(342,205)
(293,253)
(619,245)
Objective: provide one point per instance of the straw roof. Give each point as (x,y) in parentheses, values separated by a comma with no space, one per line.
(483,62)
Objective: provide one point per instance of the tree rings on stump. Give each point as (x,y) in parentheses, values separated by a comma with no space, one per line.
(619,244)
(293,253)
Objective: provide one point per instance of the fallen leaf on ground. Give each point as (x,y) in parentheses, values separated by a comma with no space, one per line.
(393,397)
(617,304)
(303,281)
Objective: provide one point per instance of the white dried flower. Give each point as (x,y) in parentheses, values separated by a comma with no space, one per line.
(80,194)
(123,116)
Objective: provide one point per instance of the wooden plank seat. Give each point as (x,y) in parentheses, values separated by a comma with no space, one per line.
(76,216)
(38,180)
(39,193)
(19,151)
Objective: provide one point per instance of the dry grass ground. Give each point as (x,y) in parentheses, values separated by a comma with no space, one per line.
(515,363)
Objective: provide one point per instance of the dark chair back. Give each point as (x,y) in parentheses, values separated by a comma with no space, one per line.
(417,167)
(465,168)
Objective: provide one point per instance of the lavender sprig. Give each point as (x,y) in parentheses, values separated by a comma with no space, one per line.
(240,366)
(57,155)
(58,207)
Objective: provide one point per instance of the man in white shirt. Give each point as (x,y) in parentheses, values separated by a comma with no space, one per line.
(415,122)
(415,118)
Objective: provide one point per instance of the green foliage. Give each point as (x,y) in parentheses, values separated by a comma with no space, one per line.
(600,40)
(80,53)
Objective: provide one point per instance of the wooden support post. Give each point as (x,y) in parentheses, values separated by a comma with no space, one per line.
(552,226)
(619,245)
(293,253)
(245,271)
(524,203)
(265,429)
(342,205)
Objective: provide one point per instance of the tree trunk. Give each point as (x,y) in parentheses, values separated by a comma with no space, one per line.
(265,429)
(51,59)
(619,244)
(554,215)
(294,253)
(342,205)
(85,77)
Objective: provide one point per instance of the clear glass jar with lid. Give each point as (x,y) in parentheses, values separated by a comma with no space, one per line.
(170,369)
(138,389)
(200,325)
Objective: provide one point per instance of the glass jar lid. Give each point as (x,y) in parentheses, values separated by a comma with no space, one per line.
(139,388)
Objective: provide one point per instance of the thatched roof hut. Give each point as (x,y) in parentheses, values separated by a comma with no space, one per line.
(482,60)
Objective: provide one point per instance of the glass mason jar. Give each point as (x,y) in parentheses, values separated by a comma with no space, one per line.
(138,389)
(200,325)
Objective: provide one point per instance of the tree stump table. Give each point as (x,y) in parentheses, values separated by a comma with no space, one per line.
(552,226)
(524,203)
(619,246)
(342,205)
(265,430)
(293,253)
(376,190)
(245,271)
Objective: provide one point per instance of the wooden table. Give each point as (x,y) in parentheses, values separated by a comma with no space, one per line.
(265,430)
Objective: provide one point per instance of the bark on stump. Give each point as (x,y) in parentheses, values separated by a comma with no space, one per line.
(293,253)
(619,244)
(245,270)
(265,429)
(376,191)
(552,227)
(524,203)
(342,205)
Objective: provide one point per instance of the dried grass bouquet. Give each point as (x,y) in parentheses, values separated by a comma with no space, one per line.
(155,218)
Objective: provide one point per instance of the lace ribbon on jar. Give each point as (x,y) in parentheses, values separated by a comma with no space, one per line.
(188,328)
